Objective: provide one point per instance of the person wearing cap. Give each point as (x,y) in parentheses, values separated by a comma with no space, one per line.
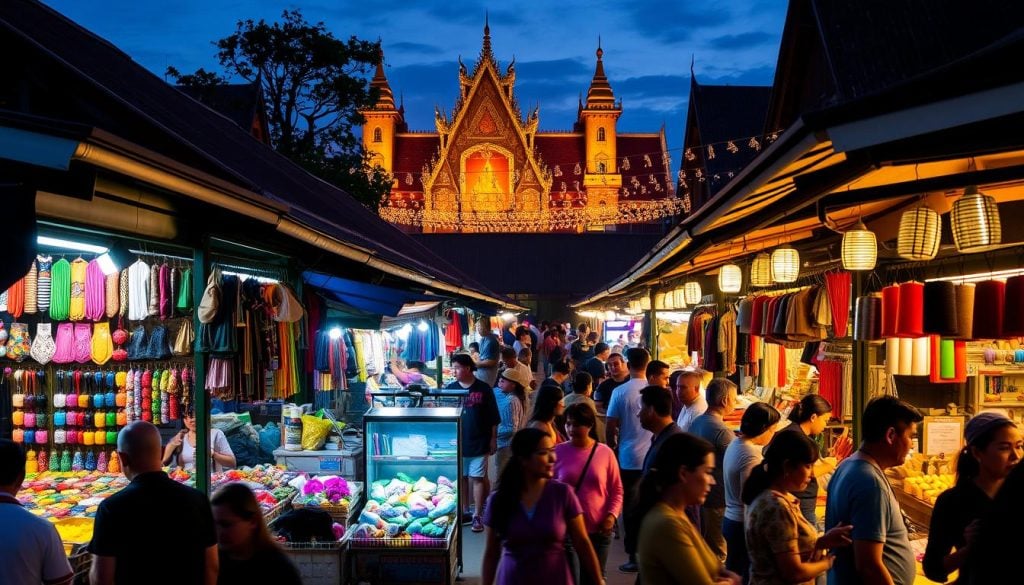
(510,361)
(480,419)
(511,398)
(992,447)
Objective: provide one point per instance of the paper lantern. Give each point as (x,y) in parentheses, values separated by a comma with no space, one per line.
(692,293)
(785,264)
(659,301)
(860,248)
(975,221)
(679,300)
(645,303)
(920,232)
(761,270)
(730,278)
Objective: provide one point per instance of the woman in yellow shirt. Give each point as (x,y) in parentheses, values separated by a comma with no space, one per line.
(670,549)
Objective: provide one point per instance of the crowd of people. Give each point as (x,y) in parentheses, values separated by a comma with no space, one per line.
(699,503)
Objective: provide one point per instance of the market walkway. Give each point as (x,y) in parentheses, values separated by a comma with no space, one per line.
(473,550)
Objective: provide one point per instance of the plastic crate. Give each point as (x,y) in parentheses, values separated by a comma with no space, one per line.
(319,563)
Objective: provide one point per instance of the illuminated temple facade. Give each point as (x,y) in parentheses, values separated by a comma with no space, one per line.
(487,167)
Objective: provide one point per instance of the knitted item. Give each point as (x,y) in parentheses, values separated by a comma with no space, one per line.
(16,298)
(32,290)
(185,290)
(83,342)
(95,291)
(165,303)
(43,283)
(19,342)
(154,290)
(114,465)
(54,461)
(76,307)
(90,461)
(174,292)
(60,292)
(111,293)
(101,462)
(64,352)
(123,293)
(77,461)
(65,461)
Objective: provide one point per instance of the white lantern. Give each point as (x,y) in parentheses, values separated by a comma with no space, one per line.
(975,221)
(679,300)
(692,293)
(920,232)
(659,301)
(761,270)
(730,279)
(860,248)
(785,264)
(645,303)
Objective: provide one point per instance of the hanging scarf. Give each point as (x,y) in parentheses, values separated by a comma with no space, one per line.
(60,292)
(154,290)
(95,291)
(122,296)
(185,290)
(43,282)
(31,290)
(175,283)
(112,283)
(76,307)
(164,297)
(16,298)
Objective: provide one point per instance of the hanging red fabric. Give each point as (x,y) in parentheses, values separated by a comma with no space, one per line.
(838,286)
(890,310)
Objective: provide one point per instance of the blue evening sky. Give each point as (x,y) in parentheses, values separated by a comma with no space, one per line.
(647,46)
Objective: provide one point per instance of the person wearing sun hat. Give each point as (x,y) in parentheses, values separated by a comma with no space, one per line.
(992,447)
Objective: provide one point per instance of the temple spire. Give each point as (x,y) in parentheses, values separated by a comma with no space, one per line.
(600,93)
(485,52)
(380,82)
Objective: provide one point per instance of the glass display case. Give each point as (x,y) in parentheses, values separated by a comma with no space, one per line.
(408,531)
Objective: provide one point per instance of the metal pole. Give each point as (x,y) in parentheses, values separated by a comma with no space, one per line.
(200,271)
(860,366)
(654,325)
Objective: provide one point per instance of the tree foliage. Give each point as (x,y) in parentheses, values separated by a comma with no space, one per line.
(314,86)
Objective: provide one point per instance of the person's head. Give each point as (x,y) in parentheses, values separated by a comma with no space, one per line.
(602,351)
(580,418)
(474,346)
(562,368)
(463,367)
(616,366)
(548,403)
(239,520)
(12,466)
(138,448)
(513,381)
(788,464)
(758,423)
(657,373)
(583,383)
(188,419)
(415,366)
(687,386)
(525,356)
(523,335)
(888,428)
(637,359)
(483,327)
(592,337)
(681,470)
(721,396)
(992,447)
(582,330)
(655,408)
(533,457)
(508,357)
(813,411)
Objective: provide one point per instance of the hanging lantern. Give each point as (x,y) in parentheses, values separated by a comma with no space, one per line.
(679,300)
(785,264)
(920,231)
(975,221)
(730,278)
(659,301)
(692,293)
(645,303)
(761,270)
(860,248)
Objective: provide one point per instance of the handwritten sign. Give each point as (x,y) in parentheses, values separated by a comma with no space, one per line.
(943,434)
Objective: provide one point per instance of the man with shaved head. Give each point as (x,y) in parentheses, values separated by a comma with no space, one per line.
(156,530)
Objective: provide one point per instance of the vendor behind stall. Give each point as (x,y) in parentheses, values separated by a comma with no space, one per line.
(411,373)
(181,450)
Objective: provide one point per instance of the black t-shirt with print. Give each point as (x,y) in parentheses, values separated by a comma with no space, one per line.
(479,414)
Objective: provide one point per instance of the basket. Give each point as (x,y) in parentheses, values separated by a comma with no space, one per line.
(419,542)
(319,563)
(277,510)
(81,561)
(339,512)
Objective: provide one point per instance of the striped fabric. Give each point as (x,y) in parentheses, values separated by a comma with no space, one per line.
(43,283)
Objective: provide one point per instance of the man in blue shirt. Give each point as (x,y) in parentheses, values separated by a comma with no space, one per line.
(487,363)
(860,495)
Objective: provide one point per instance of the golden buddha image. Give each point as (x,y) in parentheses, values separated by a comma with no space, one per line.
(487,183)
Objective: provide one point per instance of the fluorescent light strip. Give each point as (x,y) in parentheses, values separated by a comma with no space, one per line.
(980,276)
(70,245)
(244,276)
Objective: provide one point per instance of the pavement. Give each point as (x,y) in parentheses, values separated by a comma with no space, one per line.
(473,553)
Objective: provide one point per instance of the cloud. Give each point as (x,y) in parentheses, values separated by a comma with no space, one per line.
(675,21)
(421,49)
(743,40)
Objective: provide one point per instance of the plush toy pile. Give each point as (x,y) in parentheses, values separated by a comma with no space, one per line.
(58,495)
(330,491)
(268,482)
(404,508)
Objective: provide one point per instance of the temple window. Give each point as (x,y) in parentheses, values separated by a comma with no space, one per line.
(377,135)
(600,134)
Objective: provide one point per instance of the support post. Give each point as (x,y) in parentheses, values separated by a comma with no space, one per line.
(860,374)
(201,399)
(654,325)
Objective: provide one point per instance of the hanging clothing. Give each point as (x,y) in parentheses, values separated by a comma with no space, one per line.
(138,291)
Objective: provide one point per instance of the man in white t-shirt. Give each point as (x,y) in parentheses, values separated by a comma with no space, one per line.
(688,391)
(32,553)
(631,441)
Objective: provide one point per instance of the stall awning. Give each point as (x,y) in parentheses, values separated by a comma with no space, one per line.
(370,298)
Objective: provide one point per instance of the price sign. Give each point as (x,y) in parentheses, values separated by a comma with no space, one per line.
(943,434)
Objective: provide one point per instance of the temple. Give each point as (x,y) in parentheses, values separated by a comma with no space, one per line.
(487,167)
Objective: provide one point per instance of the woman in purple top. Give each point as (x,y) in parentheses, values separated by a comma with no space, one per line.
(528,517)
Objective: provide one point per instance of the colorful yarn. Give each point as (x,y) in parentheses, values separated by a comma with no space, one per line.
(60,295)
(910,322)
(989,309)
(890,310)
(940,308)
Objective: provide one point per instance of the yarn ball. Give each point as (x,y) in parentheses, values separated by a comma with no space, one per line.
(119,336)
